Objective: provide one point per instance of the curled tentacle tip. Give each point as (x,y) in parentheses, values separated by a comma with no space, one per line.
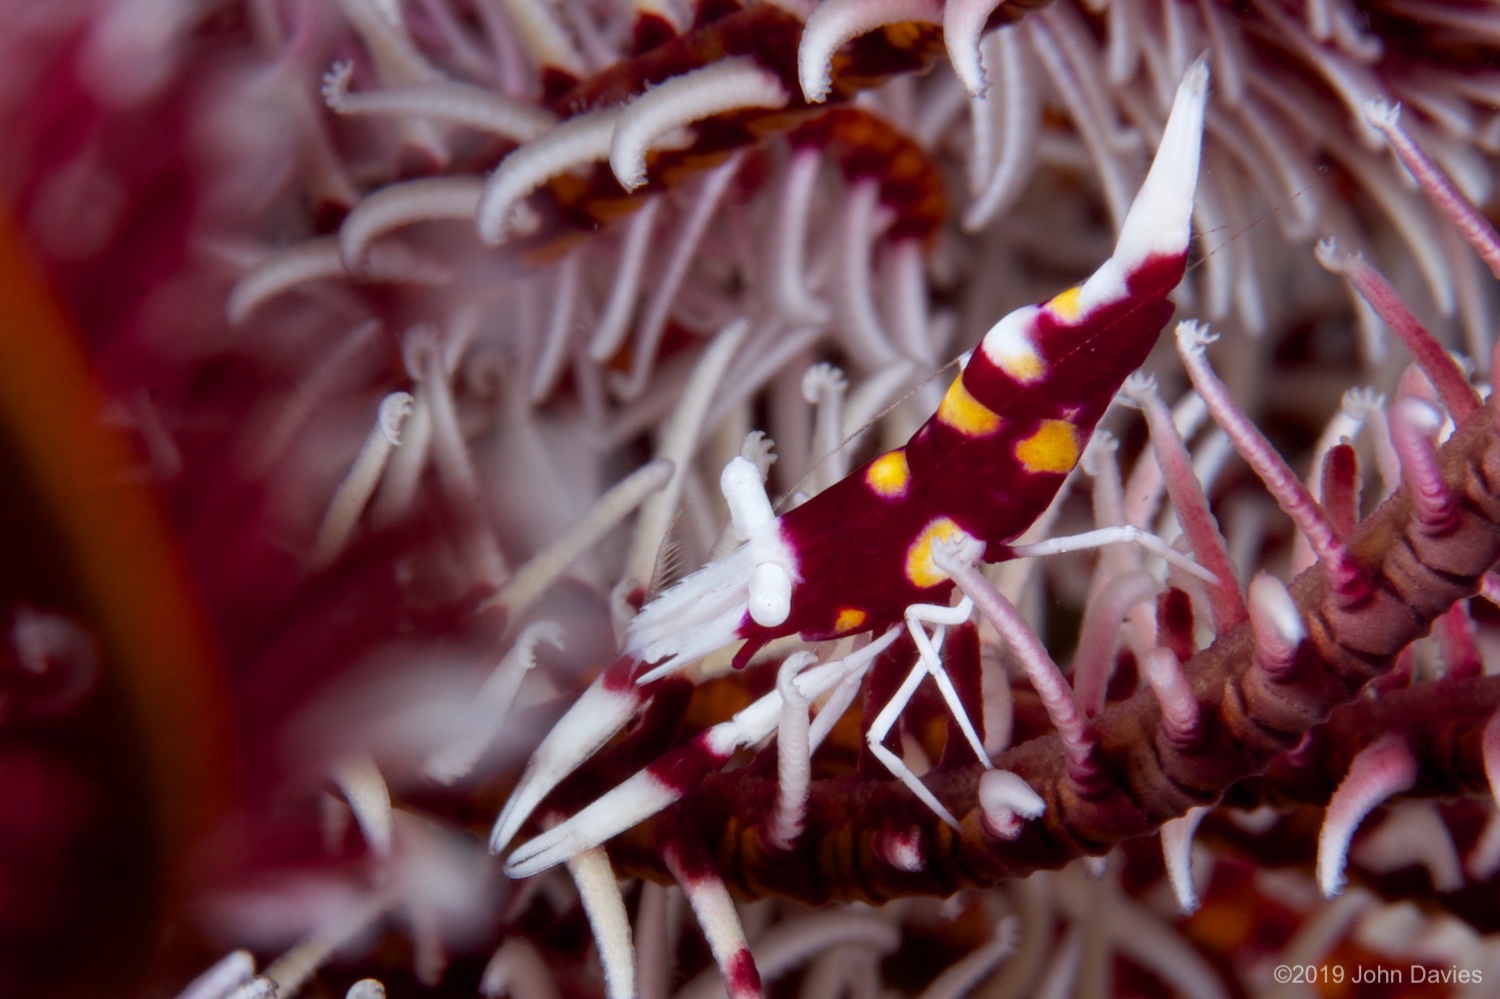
(786,674)
(663,116)
(1193,337)
(816,81)
(1098,453)
(336,84)
(820,40)
(1382,113)
(821,378)
(963,23)
(629,169)
(835,22)
(579,142)
(902,850)
(758,449)
(1139,386)
(1008,802)
(536,633)
(1362,402)
(956,551)
(497,225)
(1327,252)
(420,345)
(394,409)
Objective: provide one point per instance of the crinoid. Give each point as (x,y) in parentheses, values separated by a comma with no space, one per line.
(441,327)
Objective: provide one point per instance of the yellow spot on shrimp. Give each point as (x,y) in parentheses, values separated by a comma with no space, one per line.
(849,619)
(1053,448)
(966,414)
(921,570)
(1065,305)
(889,475)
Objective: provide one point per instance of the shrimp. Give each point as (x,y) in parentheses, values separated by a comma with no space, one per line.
(862,556)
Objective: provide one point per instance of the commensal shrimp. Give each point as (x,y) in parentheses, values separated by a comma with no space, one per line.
(869,553)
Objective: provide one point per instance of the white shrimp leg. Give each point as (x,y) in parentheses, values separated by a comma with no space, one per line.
(669,778)
(928,664)
(943,616)
(1116,535)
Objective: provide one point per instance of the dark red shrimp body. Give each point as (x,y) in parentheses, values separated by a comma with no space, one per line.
(867,539)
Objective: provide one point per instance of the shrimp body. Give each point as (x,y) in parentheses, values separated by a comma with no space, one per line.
(863,547)
(860,556)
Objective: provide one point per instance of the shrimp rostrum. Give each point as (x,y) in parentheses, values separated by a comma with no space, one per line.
(876,553)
